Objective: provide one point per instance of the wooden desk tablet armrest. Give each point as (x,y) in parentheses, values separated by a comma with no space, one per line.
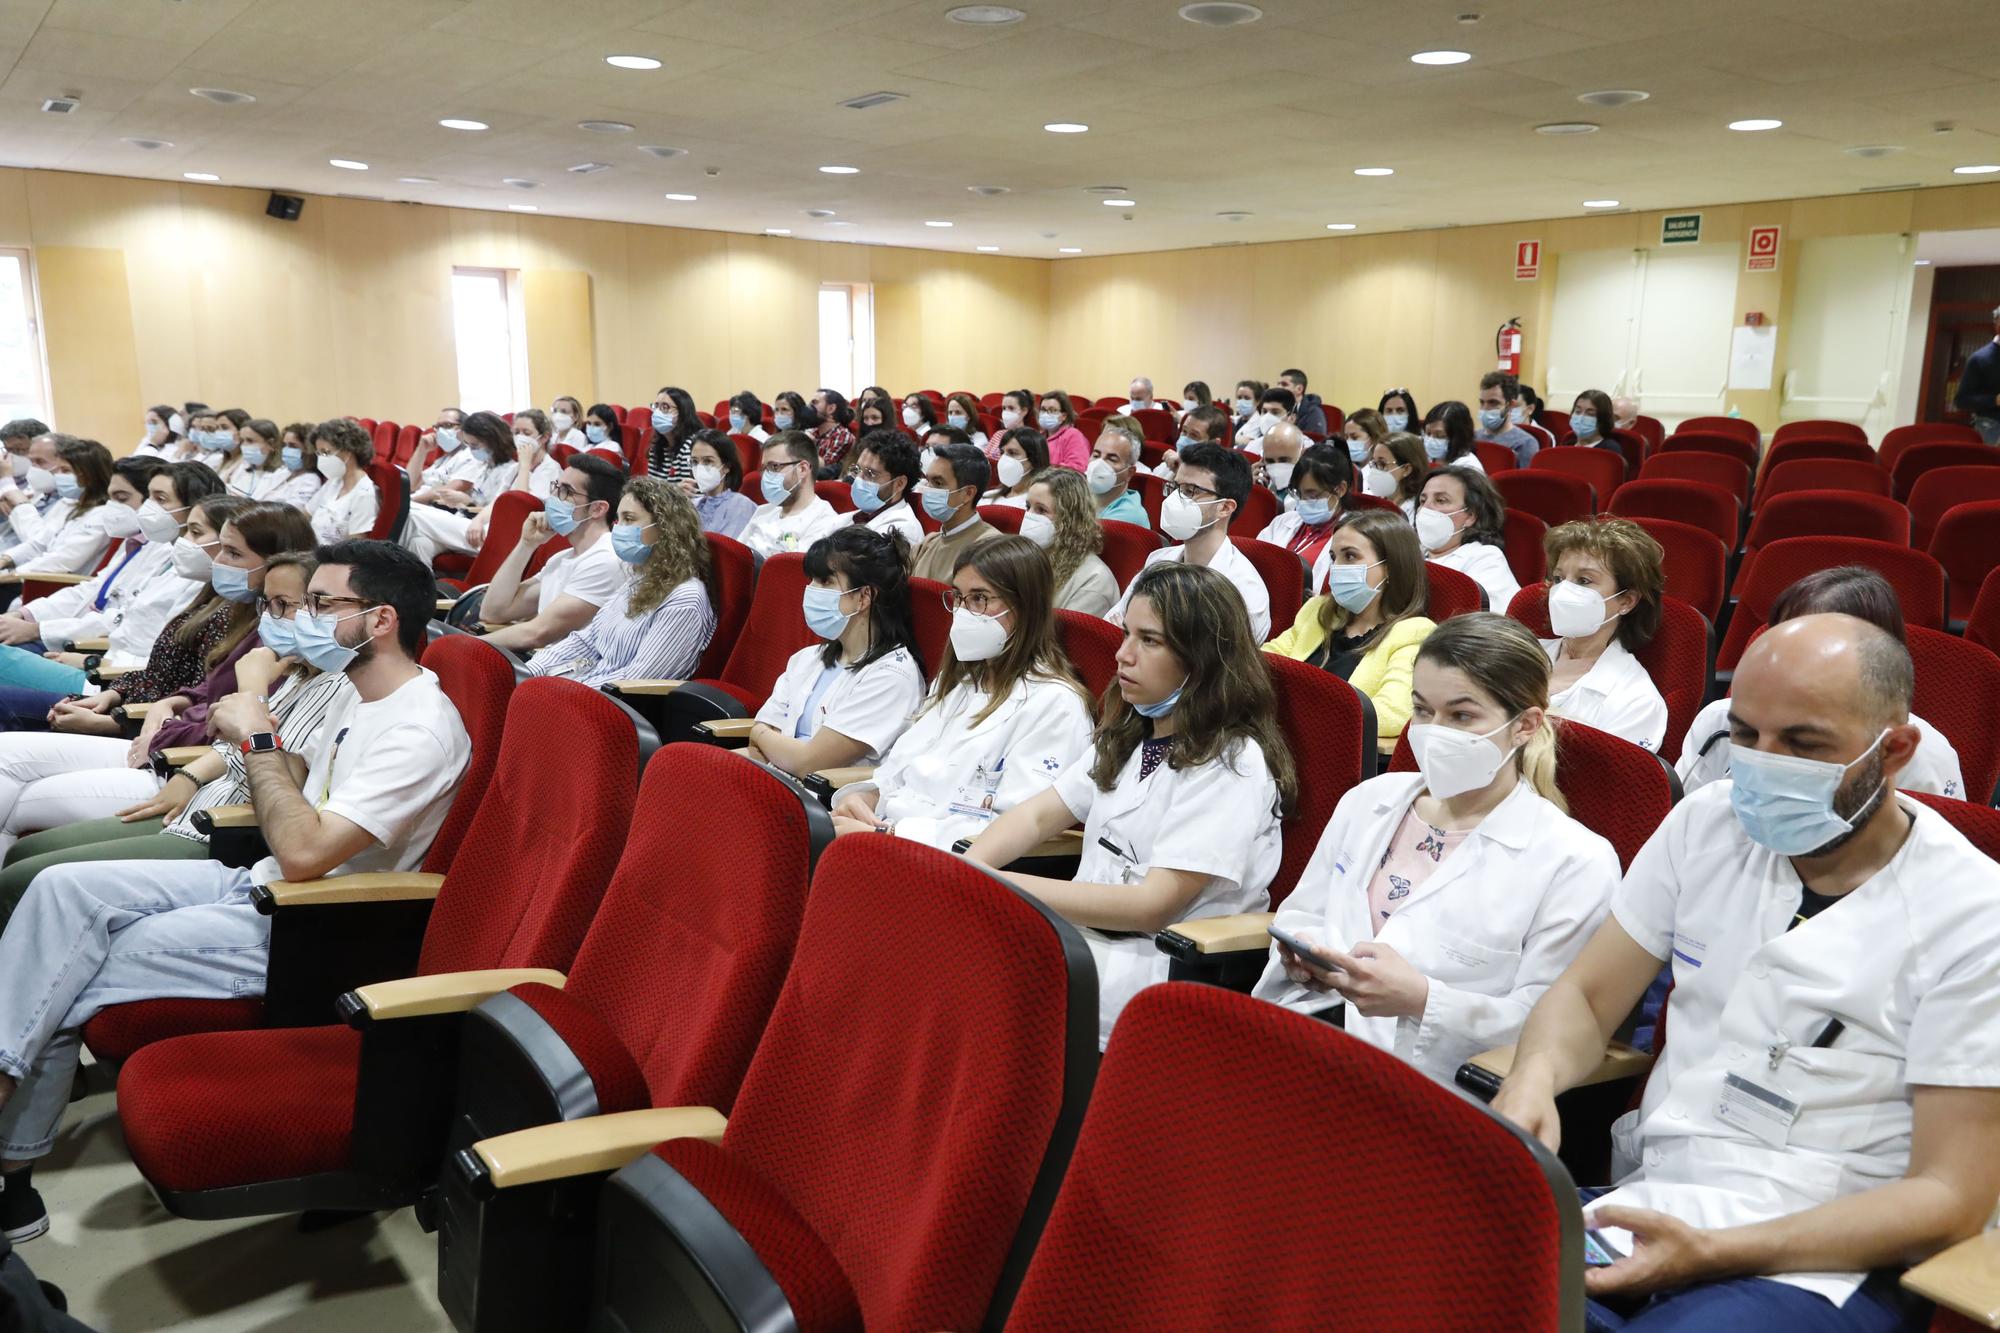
(48,576)
(446,603)
(180,756)
(385,886)
(105,673)
(1964,1279)
(727,728)
(837,778)
(447,992)
(1620,1061)
(639,688)
(232,816)
(586,1147)
(97,645)
(1067,843)
(1237,933)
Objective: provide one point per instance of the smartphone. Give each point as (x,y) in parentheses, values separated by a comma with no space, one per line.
(1597,1251)
(1299,947)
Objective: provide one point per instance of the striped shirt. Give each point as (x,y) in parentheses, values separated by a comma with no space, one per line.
(298,706)
(664,643)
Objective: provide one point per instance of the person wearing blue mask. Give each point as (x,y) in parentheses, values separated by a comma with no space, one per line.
(954,479)
(658,620)
(669,441)
(746,417)
(1321,481)
(1448,436)
(1275,407)
(846,699)
(1821,1114)
(369,794)
(1055,418)
(1399,411)
(1180,791)
(70,536)
(524,612)
(716,488)
(1591,424)
(603,431)
(1496,391)
(440,457)
(1368,624)
(1114,459)
(793,515)
(885,473)
(452,518)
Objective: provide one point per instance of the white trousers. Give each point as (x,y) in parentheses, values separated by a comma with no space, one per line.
(430,530)
(50,778)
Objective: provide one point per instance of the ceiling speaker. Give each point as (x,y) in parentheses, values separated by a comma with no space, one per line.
(284,207)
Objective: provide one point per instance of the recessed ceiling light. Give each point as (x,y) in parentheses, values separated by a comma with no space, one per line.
(1600,203)
(988,191)
(520,184)
(988,249)
(662,150)
(346,164)
(1567,127)
(201,176)
(986,15)
(1752,126)
(1340,226)
(777,231)
(1985,169)
(632,62)
(524,208)
(934,222)
(821,213)
(1923,263)
(150,144)
(1440,57)
(1220,14)
(1374,171)
(456,124)
(1071,250)
(223,96)
(604,126)
(1873,149)
(418,180)
(588,168)
(681,198)
(1066,127)
(1120,203)
(841,171)
(1613,97)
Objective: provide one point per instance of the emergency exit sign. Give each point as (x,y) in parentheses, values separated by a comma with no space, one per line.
(1680,229)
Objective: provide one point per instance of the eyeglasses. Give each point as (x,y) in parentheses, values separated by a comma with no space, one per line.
(280,607)
(567,493)
(1192,492)
(980,603)
(316,605)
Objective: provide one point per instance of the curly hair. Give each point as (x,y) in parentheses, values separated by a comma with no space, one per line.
(1079,534)
(679,553)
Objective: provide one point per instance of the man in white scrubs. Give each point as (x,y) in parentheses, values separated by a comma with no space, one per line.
(1825,1107)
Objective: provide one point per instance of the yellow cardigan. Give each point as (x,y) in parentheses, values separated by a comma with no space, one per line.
(1384,671)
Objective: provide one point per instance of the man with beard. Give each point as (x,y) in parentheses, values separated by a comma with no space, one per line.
(1825,1106)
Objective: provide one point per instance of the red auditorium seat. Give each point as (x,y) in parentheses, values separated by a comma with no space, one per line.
(1004,517)
(836,493)
(898,1136)
(1941,488)
(1983,625)
(1825,430)
(664,1007)
(1678,659)
(1126,546)
(1524,538)
(732,580)
(1917,578)
(1652,430)
(1695,503)
(1796,447)
(1152,494)
(1284,576)
(1685,439)
(1091,643)
(1980,824)
(406,445)
(1921,458)
(1927,432)
(1731,474)
(1495,458)
(392,499)
(1452,593)
(1604,469)
(1695,561)
(1158,424)
(353,1114)
(1256,513)
(1823,474)
(930,622)
(1957,682)
(1967,544)
(458,572)
(1553,497)
(1735,427)
(1822,514)
(479,680)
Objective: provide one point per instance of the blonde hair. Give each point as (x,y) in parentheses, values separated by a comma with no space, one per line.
(680,553)
(1371,423)
(1406,586)
(1079,535)
(1503,659)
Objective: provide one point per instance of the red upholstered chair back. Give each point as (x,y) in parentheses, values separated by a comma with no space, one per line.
(1917,579)
(503,533)
(1452,593)
(1731,474)
(836,493)
(1152,494)
(1983,625)
(1553,497)
(685,957)
(1604,469)
(1967,544)
(392,499)
(479,681)
(1924,432)
(1495,458)
(1735,427)
(1126,546)
(1823,430)
(1328,731)
(1653,429)
(1695,503)
(732,582)
(1004,517)
(1284,578)
(1731,446)
(1091,644)
(1157,423)
(931,619)
(1827,514)
(1448,1215)
(1957,682)
(1523,537)
(1695,562)
(1678,658)
(938,1094)
(1978,822)
(1259,508)
(1790,449)
(1939,489)
(529,873)
(1823,474)
(751,455)
(406,445)
(1921,458)
(772,632)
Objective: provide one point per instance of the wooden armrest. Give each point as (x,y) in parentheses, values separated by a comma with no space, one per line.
(384,886)
(585,1147)
(837,778)
(180,756)
(727,728)
(97,645)
(643,687)
(104,673)
(1226,934)
(49,576)
(1964,1279)
(1620,1061)
(232,816)
(1067,843)
(446,603)
(447,992)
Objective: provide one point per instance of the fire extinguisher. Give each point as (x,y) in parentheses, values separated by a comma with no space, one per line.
(1507,346)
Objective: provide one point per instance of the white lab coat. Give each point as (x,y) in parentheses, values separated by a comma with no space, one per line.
(946,778)
(63,542)
(281,485)
(898,517)
(1933,768)
(870,704)
(1218,819)
(1615,695)
(147,593)
(1905,961)
(1233,565)
(1493,926)
(1485,565)
(336,517)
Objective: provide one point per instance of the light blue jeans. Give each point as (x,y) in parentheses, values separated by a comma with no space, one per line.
(100,933)
(1988,428)
(29,669)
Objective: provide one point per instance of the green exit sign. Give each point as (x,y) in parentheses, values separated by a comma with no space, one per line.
(1680,229)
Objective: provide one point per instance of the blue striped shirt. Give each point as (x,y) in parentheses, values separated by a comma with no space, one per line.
(664,643)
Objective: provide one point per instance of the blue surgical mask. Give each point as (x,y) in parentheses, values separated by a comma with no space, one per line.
(232,582)
(867,495)
(1785,802)
(1184,443)
(1357,449)
(1349,587)
(562,517)
(67,486)
(1435,448)
(1160,708)
(1243,408)
(956,420)
(662,421)
(1583,425)
(593,434)
(293,457)
(1396,420)
(254,455)
(774,488)
(823,614)
(782,420)
(738,423)
(313,639)
(1049,420)
(1493,418)
(937,504)
(1315,511)
(628,545)
(447,438)
(483,454)
(280,636)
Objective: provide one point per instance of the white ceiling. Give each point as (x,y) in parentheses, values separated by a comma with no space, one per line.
(1270,118)
(1949,248)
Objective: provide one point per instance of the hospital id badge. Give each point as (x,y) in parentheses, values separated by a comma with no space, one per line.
(1757,1111)
(974,799)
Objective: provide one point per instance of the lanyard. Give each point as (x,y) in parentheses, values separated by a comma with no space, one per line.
(104,591)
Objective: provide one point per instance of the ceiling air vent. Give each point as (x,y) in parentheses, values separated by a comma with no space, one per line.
(1878,189)
(868,101)
(62,106)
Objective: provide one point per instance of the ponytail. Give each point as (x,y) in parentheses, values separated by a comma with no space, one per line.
(1507,662)
(1537,761)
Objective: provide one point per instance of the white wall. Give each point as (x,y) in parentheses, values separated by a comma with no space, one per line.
(1849,325)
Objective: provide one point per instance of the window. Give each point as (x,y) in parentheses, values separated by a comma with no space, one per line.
(23,385)
(846,337)
(492,339)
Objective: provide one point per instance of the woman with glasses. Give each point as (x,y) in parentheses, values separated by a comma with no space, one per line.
(1004,716)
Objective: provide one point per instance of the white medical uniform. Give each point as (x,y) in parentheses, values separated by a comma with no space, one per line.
(1905,961)
(62,541)
(1615,695)
(771,531)
(1493,926)
(870,704)
(144,596)
(336,517)
(1233,565)
(1218,819)
(1485,565)
(948,777)
(898,517)
(1932,769)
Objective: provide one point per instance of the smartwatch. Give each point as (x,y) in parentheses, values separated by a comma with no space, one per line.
(262,742)
(962,846)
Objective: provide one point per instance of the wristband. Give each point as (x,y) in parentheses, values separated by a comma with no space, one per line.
(262,742)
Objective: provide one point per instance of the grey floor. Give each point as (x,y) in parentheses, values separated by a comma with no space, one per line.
(128,1266)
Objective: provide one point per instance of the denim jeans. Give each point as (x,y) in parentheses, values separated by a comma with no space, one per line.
(100,933)
(1988,428)
(26,667)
